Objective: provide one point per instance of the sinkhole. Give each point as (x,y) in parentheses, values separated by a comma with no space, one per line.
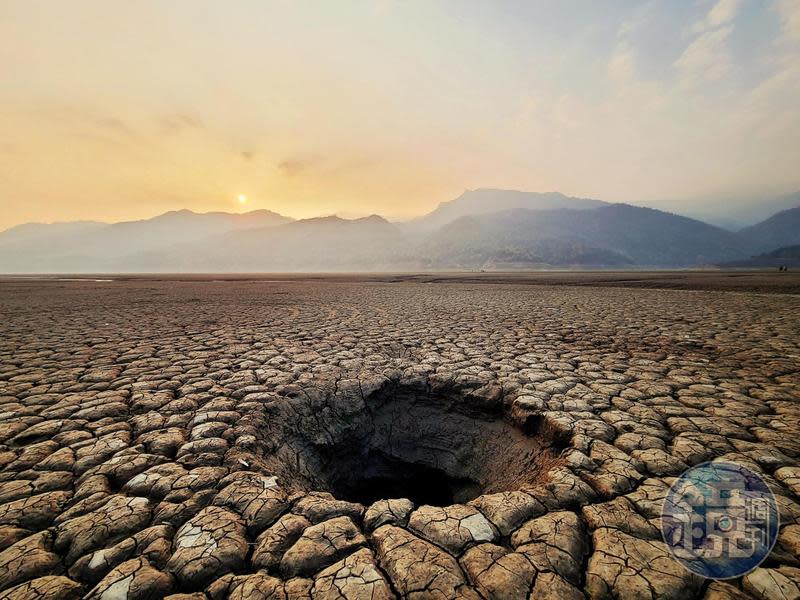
(400,441)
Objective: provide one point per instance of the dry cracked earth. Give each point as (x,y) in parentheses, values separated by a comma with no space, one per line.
(369,440)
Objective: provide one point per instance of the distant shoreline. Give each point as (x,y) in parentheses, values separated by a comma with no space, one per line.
(759,281)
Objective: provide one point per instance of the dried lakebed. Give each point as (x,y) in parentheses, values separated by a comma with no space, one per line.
(346,439)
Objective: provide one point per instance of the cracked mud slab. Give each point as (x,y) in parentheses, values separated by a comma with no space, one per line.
(381,439)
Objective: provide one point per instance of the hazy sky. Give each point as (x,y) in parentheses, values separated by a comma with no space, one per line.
(112,110)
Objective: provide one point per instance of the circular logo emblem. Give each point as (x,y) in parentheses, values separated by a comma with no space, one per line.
(720,520)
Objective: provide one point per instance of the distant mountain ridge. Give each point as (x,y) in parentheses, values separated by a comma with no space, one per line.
(33,231)
(505,230)
(733,214)
(98,246)
(317,244)
(781,229)
(489,200)
(611,235)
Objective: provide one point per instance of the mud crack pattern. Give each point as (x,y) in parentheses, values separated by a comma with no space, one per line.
(141,459)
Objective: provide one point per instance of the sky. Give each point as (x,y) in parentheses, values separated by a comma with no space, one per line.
(113,110)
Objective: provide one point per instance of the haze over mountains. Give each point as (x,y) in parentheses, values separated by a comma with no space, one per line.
(485,201)
(731,213)
(481,229)
(781,229)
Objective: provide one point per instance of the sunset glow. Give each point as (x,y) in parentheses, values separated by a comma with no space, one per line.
(114,111)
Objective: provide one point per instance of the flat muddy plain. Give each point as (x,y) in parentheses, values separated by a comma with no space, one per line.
(386,436)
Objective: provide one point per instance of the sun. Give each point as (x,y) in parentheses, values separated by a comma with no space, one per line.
(242,199)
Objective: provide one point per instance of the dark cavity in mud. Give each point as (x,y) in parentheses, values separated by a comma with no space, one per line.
(400,442)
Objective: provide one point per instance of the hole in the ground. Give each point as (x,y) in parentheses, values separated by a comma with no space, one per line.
(384,476)
(399,442)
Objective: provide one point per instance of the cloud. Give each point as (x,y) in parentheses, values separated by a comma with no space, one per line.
(291,167)
(706,57)
(722,13)
(640,17)
(622,62)
(114,125)
(179,123)
(789,11)
(621,65)
(770,107)
(85,123)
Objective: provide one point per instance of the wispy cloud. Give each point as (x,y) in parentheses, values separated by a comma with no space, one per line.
(621,65)
(707,58)
(789,11)
(722,13)
(297,165)
(177,123)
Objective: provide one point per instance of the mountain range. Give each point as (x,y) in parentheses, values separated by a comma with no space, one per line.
(781,229)
(481,229)
(732,214)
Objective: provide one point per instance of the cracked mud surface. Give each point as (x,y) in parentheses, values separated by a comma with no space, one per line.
(254,439)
